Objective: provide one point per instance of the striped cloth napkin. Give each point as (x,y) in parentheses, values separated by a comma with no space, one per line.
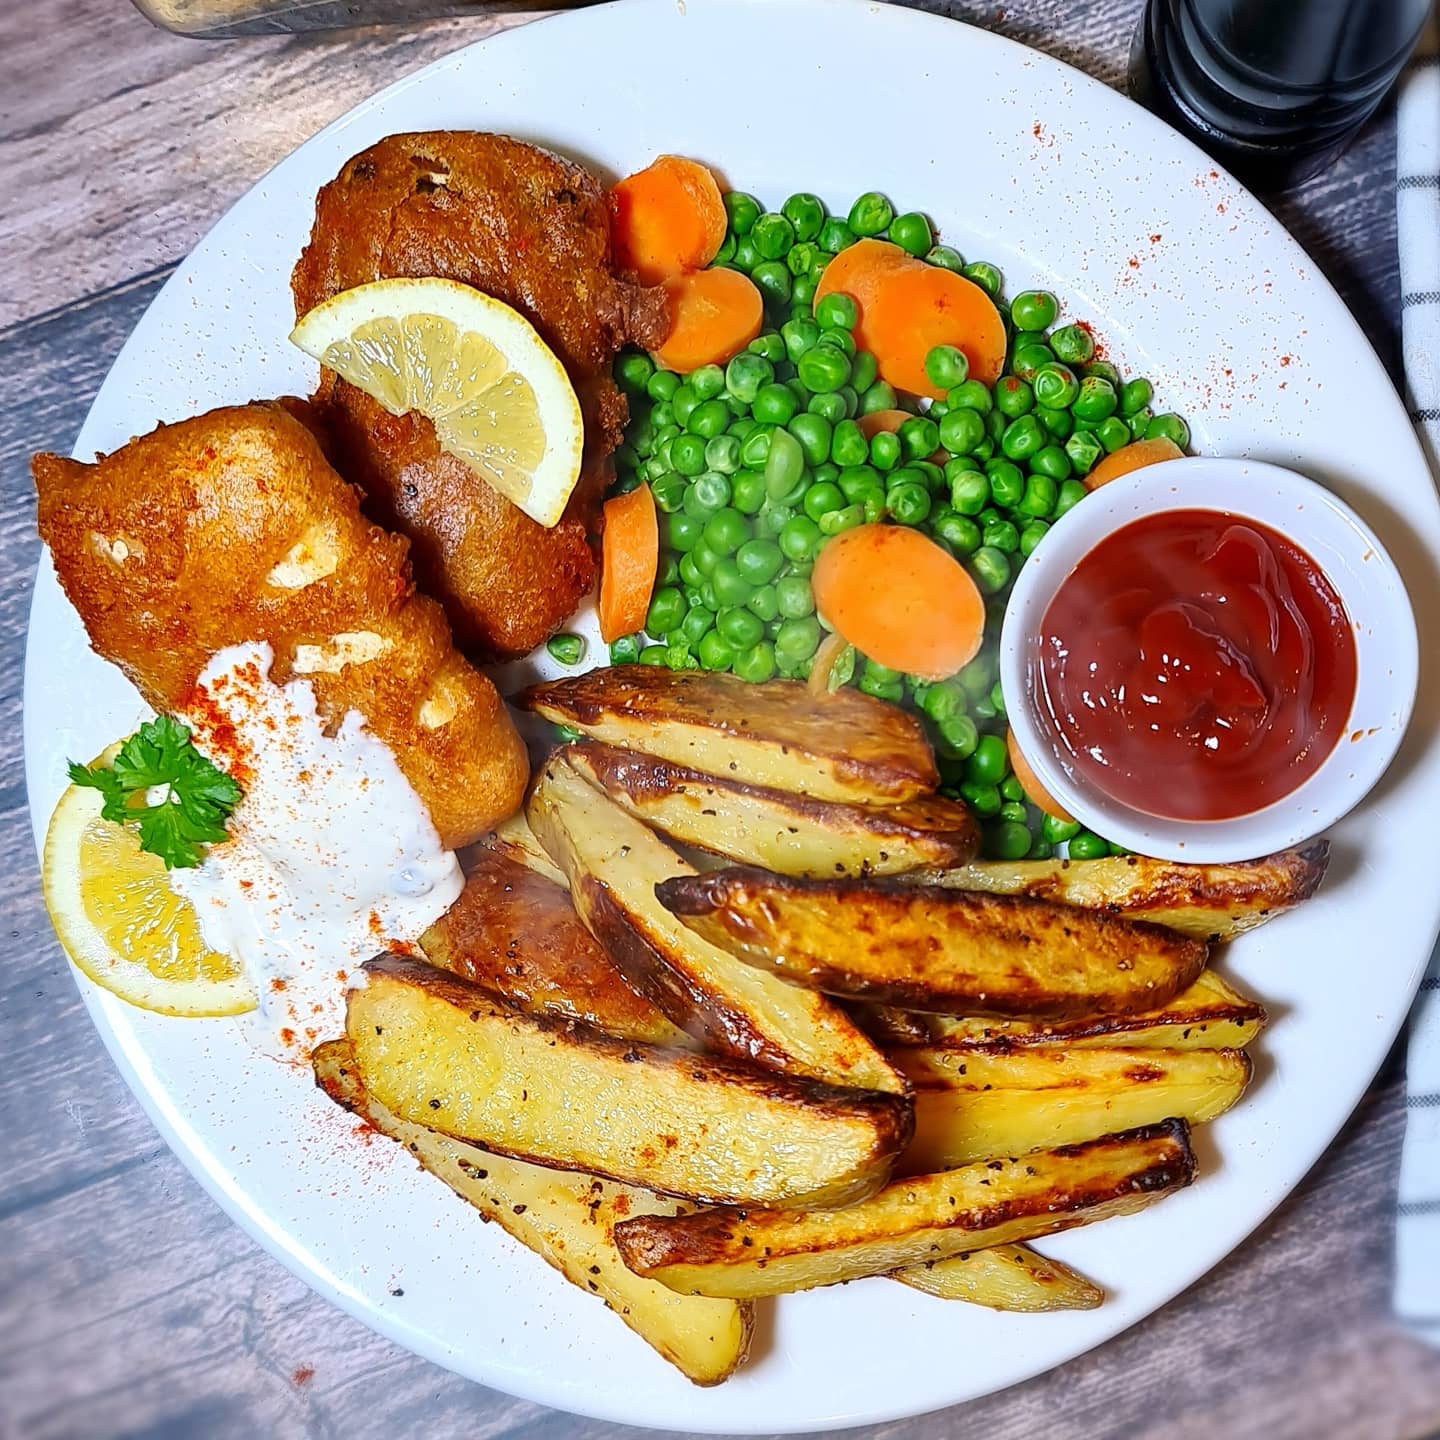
(1417,1226)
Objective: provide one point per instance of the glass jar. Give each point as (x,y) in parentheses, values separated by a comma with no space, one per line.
(221,19)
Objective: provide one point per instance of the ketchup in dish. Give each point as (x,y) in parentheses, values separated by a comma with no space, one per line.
(1196,665)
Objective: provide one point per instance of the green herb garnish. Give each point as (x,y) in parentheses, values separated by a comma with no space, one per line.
(195,801)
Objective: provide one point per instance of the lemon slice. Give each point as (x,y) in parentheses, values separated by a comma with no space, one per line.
(121,923)
(499,399)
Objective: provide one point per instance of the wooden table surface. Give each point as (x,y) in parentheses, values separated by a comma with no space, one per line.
(129,1305)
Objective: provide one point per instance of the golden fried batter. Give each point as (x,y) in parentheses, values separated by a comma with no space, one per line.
(233,527)
(532,230)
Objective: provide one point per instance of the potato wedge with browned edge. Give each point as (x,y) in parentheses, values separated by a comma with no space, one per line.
(925,948)
(846,746)
(515,839)
(745,1254)
(1210,1015)
(973,1105)
(517,934)
(1007,1277)
(614,863)
(441,1052)
(566,1219)
(779,830)
(1210,902)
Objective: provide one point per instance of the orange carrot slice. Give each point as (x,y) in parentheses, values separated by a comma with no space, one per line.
(920,306)
(666,219)
(857,271)
(717,313)
(1035,792)
(900,599)
(1135,456)
(629,559)
(877,420)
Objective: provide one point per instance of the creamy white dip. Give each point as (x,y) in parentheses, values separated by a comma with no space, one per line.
(331,858)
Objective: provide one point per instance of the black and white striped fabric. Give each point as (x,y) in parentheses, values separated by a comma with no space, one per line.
(1417,1227)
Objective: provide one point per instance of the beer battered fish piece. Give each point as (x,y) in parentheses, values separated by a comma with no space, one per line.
(532,230)
(233,527)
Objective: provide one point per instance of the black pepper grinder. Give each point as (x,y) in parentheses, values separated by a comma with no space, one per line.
(1273,89)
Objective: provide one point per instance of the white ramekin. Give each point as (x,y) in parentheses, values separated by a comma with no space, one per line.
(1357,566)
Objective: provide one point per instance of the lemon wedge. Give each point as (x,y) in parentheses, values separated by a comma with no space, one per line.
(120,922)
(499,399)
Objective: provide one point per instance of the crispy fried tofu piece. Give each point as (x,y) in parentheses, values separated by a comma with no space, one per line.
(531,229)
(233,527)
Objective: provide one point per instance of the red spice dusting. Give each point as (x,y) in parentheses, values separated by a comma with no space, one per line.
(287,1036)
(1095,340)
(304,1375)
(342,976)
(1285,359)
(365,1132)
(311,1034)
(1220,208)
(1133,262)
(1038,130)
(247,884)
(1155,239)
(305,777)
(622,1205)
(279,985)
(376,928)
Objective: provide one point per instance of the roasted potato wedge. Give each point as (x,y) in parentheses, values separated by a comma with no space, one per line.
(973,1105)
(614,863)
(745,1254)
(925,948)
(1210,1015)
(1007,1277)
(847,746)
(1210,902)
(441,1052)
(788,833)
(516,933)
(515,839)
(568,1221)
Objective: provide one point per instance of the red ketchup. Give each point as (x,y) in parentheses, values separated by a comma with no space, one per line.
(1196,666)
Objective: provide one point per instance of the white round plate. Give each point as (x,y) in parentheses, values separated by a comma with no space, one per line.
(1057,180)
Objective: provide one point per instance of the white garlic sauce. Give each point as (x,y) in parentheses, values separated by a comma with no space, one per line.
(332,856)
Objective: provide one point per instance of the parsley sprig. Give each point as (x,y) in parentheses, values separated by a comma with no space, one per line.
(197,797)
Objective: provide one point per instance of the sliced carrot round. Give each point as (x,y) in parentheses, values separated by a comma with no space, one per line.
(857,271)
(716,314)
(666,219)
(918,307)
(1135,456)
(1035,792)
(629,560)
(900,599)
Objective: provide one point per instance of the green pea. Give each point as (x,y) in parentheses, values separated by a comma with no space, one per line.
(722,454)
(1041,492)
(708,419)
(633,371)
(1023,438)
(823,369)
(830,407)
(690,574)
(1007,482)
(970,491)
(668,571)
(799,537)
(970,395)
(958,736)
(793,597)
(1097,399)
(879,396)
(747,491)
(1051,461)
(959,532)
(1008,839)
(799,335)
(930,475)
(871,214)
(756,664)
(822,498)
(662,385)
(826,473)
(1139,423)
(835,522)
(759,561)
(797,639)
(1058,423)
(1013,397)
(1088,846)
(944,701)
(1083,450)
(1072,492)
(669,492)
(683,402)
(625,650)
(743,210)
(837,311)
(1113,434)
(725,255)
(813,432)
(784,462)
(919,437)
(729,581)
(1031,536)
(725,532)
(707,381)
(983,274)
(990,763)
(1073,344)
(1102,370)
(1056,832)
(1169,427)
(740,629)
(678,657)
(909,504)
(992,569)
(1135,395)
(806,214)
(706,557)
(713,652)
(856,480)
(863,370)
(945,257)
(711,490)
(1029,360)
(885,450)
(946,367)
(652,655)
(800,260)
(891,690)
(839,338)
(698,620)
(667,610)
(763,602)
(769,346)
(1055,385)
(773,280)
(1034,310)
(848,445)
(836,235)
(682,532)
(745,374)
(772,235)
(1001,535)
(912,233)
(567,649)
(961,430)
(984,800)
